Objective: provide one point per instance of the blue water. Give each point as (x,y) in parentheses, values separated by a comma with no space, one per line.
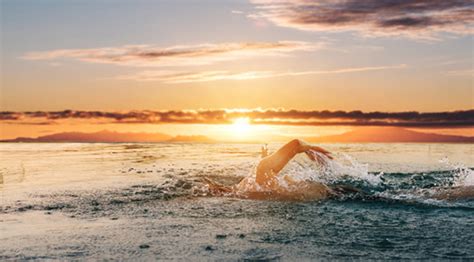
(147,201)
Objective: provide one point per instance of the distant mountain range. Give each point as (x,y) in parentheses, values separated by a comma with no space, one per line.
(390,135)
(359,135)
(110,136)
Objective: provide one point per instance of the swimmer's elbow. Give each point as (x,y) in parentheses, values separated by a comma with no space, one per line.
(299,145)
(297,141)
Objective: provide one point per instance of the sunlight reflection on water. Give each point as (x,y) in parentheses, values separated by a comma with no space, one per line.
(123,201)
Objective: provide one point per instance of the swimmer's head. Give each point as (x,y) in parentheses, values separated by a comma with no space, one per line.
(264,151)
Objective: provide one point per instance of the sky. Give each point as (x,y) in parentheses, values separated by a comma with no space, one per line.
(304,55)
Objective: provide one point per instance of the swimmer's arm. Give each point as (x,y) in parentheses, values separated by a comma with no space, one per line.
(265,173)
(307,148)
(271,165)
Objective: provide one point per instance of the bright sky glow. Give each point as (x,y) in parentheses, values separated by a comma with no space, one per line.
(131,55)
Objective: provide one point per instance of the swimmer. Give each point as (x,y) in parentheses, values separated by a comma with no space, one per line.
(267,183)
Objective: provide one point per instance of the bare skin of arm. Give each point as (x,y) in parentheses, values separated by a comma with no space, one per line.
(271,165)
(268,169)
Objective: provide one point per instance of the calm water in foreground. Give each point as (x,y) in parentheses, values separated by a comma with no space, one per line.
(147,201)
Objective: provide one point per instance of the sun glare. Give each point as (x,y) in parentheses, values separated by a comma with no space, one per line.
(241,126)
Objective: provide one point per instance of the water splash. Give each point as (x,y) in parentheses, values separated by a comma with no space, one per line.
(323,170)
(422,188)
(461,175)
(328,171)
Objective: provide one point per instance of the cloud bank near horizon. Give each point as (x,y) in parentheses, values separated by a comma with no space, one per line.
(416,19)
(256,116)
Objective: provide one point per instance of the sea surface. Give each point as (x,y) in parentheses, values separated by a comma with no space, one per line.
(146,201)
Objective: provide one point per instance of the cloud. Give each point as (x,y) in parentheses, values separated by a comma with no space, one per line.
(153,56)
(207,76)
(257,116)
(462,72)
(190,77)
(417,18)
(237,12)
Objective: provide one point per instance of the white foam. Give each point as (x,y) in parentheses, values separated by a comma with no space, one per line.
(462,176)
(325,170)
(328,170)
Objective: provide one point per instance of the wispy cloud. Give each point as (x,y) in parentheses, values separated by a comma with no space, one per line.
(207,76)
(257,116)
(461,72)
(153,56)
(420,18)
(189,77)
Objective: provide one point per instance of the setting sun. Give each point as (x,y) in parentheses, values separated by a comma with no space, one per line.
(229,130)
(241,127)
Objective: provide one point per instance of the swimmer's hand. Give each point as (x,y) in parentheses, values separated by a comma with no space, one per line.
(316,153)
(305,147)
(322,151)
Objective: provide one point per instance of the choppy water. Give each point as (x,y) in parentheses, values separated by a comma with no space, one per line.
(147,201)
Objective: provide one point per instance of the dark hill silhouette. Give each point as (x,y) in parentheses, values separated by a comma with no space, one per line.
(195,138)
(390,134)
(359,135)
(110,136)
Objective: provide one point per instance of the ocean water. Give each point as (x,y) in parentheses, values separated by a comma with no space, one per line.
(147,201)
